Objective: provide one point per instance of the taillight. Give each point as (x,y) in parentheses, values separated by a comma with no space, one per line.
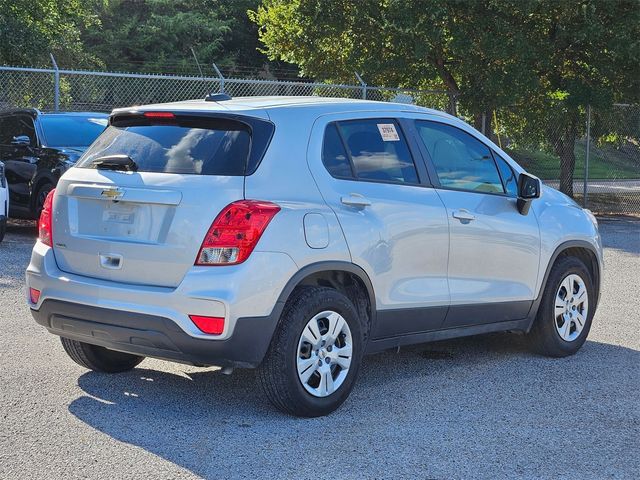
(45,230)
(235,232)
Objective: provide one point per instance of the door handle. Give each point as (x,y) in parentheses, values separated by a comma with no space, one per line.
(355,200)
(463,215)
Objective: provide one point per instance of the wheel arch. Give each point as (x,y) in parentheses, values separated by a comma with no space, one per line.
(345,277)
(584,251)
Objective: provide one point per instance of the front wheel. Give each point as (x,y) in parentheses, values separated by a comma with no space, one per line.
(40,197)
(565,314)
(313,360)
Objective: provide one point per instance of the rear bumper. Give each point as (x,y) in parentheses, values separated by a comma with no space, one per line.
(154,321)
(158,337)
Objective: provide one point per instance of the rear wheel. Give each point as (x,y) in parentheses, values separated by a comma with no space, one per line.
(315,353)
(3,228)
(99,359)
(565,314)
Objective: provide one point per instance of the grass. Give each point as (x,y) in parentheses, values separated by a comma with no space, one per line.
(605,163)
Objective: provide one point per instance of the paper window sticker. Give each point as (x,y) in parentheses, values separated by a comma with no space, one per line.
(388,132)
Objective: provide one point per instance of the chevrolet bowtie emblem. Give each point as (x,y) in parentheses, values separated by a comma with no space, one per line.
(112,193)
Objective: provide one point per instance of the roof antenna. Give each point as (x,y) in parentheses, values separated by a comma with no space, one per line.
(220,96)
(197,62)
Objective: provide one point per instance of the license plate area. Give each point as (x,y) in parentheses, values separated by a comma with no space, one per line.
(119,221)
(119,213)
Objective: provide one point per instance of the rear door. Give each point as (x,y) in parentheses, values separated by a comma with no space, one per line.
(394,223)
(143,220)
(494,250)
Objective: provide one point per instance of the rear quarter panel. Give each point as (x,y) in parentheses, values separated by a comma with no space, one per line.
(283,177)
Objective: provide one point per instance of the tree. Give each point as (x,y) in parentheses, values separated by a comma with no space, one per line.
(548,57)
(158,35)
(31,29)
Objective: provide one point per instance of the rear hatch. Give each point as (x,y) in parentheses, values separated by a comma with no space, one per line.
(139,202)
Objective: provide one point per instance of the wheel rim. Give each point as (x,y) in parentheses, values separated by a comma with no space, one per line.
(571,308)
(42,196)
(325,350)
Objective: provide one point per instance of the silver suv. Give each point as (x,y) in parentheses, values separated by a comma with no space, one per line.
(298,234)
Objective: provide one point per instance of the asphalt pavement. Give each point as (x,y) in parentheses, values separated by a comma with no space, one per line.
(481,407)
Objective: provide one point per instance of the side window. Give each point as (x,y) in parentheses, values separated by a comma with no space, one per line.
(14,126)
(509,178)
(334,155)
(461,161)
(378,150)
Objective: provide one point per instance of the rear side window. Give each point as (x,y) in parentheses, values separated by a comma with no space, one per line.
(198,147)
(334,155)
(375,149)
(461,161)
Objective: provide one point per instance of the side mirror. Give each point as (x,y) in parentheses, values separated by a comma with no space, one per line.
(529,188)
(23,140)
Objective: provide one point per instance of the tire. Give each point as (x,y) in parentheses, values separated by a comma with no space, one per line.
(99,359)
(3,229)
(547,336)
(289,352)
(40,197)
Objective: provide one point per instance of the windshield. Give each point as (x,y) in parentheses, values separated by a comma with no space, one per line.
(200,148)
(72,130)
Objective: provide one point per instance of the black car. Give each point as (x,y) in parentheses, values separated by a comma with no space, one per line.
(37,148)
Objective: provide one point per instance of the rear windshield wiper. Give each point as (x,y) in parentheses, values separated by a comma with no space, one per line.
(115,162)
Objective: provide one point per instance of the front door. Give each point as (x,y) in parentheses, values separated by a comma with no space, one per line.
(394,223)
(494,250)
(19,158)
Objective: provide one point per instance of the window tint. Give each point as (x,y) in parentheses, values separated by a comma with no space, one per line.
(378,150)
(461,161)
(334,156)
(220,148)
(14,126)
(72,130)
(509,178)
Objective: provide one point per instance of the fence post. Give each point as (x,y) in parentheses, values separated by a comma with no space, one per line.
(453,104)
(219,73)
(56,84)
(586,158)
(363,85)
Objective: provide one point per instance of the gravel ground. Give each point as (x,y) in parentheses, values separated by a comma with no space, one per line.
(481,407)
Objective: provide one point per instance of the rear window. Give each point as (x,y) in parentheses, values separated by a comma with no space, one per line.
(204,147)
(72,130)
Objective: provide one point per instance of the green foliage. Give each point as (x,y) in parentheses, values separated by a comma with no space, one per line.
(31,29)
(156,32)
(552,58)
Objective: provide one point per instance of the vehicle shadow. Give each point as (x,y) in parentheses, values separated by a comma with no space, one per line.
(474,406)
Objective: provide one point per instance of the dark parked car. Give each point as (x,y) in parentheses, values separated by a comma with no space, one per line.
(37,148)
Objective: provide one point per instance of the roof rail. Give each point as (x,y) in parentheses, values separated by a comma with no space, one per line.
(217,97)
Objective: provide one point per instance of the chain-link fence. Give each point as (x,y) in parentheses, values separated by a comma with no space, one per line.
(591,154)
(52,89)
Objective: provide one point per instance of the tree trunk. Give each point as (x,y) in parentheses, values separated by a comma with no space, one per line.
(563,140)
